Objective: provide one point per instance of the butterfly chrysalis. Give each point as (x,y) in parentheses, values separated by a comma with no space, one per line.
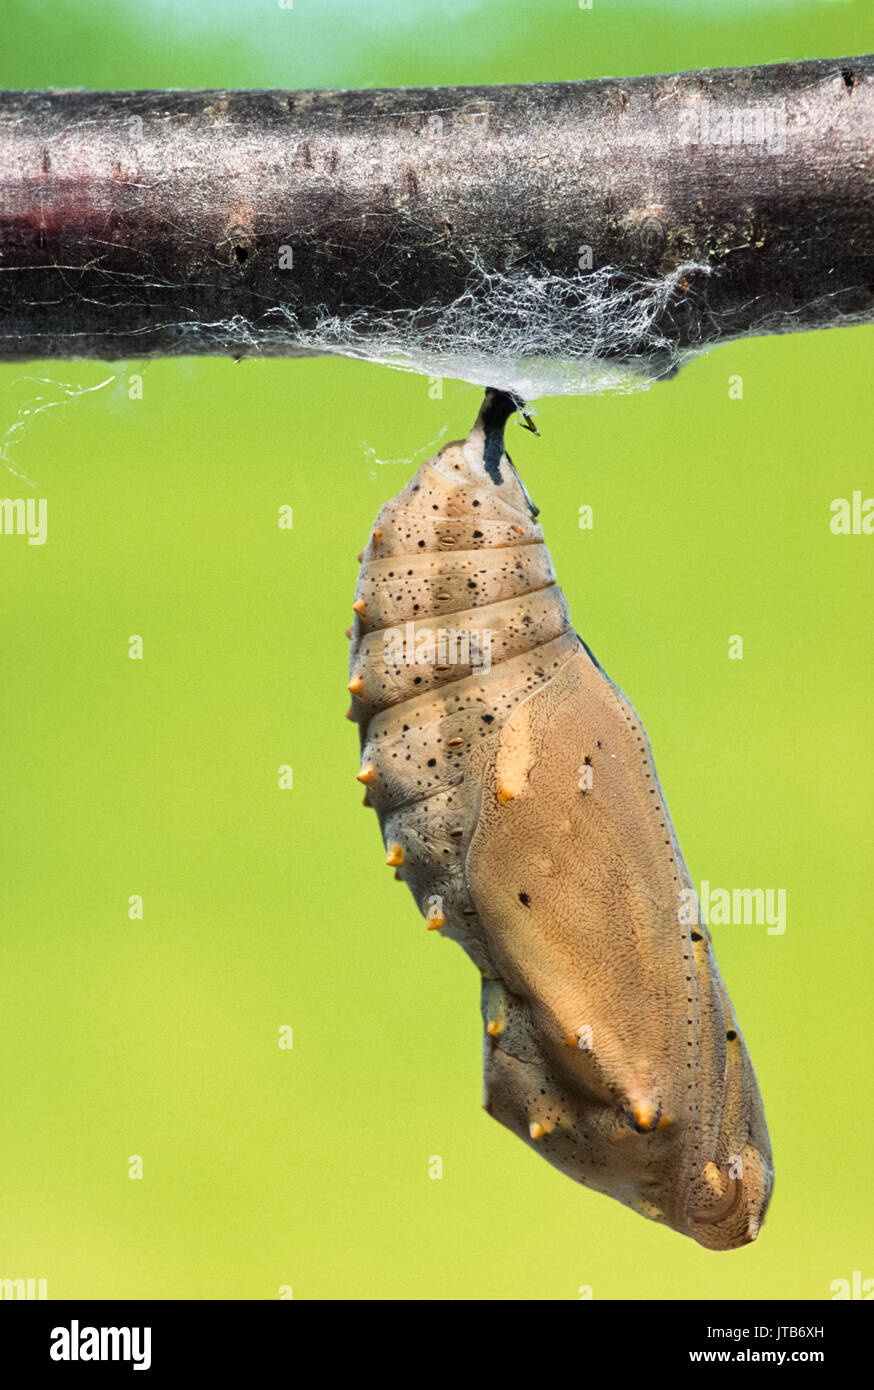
(518,799)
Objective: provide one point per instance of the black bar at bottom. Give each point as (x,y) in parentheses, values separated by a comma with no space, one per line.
(154,1337)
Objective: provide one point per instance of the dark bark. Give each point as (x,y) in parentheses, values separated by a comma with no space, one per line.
(151,223)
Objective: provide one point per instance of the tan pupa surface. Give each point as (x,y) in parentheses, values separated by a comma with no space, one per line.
(521,805)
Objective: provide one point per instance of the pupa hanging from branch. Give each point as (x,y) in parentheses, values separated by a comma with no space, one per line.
(518,799)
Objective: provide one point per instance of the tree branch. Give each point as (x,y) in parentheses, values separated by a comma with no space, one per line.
(160,223)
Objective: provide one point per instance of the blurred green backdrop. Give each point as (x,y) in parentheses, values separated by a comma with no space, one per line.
(266,908)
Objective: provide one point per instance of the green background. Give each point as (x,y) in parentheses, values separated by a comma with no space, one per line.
(265,908)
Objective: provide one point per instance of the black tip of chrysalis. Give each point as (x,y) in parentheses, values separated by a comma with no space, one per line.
(496,410)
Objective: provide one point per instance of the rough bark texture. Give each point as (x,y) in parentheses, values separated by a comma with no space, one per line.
(152,223)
